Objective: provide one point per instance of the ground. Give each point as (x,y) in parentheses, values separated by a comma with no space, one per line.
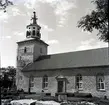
(70,100)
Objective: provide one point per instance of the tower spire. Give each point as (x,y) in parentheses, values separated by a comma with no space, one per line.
(34,18)
(33,29)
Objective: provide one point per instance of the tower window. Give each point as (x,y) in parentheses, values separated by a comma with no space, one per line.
(25,50)
(34,32)
(33,27)
(28,33)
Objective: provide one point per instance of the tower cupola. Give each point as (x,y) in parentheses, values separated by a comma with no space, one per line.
(33,29)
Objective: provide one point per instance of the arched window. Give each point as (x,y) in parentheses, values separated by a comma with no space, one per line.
(100,82)
(38,34)
(33,32)
(45,81)
(31,81)
(79,82)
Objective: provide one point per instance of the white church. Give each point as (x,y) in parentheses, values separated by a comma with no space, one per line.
(80,71)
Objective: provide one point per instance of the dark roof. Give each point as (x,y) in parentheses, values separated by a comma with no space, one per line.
(87,58)
(33,25)
(33,39)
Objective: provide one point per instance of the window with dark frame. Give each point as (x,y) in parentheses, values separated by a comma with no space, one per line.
(100,82)
(31,81)
(79,82)
(45,81)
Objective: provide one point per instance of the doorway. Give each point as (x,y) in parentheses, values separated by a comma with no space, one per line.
(60,86)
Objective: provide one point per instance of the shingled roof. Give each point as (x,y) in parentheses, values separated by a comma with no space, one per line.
(87,58)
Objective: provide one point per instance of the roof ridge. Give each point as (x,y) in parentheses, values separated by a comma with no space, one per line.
(78,51)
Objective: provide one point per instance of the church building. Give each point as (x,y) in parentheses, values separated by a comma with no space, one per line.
(79,71)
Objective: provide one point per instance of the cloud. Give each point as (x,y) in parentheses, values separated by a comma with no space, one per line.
(61,8)
(87,42)
(30,4)
(45,27)
(51,2)
(62,21)
(91,44)
(18,33)
(3,16)
(53,42)
(5,37)
(15,11)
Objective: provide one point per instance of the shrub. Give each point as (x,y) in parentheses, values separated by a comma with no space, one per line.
(87,95)
(48,94)
(49,98)
(70,94)
(66,93)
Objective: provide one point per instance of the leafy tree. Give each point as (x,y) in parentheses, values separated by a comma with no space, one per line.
(4,4)
(8,78)
(97,19)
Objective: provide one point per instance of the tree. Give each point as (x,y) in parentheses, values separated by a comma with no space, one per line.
(8,78)
(4,4)
(97,19)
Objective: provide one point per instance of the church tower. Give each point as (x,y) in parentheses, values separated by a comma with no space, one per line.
(31,49)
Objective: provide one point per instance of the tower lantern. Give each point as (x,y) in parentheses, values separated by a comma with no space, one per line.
(33,29)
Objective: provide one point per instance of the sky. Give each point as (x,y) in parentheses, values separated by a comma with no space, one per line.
(58,20)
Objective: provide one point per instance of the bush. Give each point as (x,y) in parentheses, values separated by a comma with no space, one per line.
(49,98)
(70,94)
(66,93)
(87,95)
(48,94)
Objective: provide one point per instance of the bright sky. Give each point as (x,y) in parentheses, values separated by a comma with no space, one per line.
(58,19)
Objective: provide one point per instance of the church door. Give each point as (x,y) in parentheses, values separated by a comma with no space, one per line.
(60,86)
